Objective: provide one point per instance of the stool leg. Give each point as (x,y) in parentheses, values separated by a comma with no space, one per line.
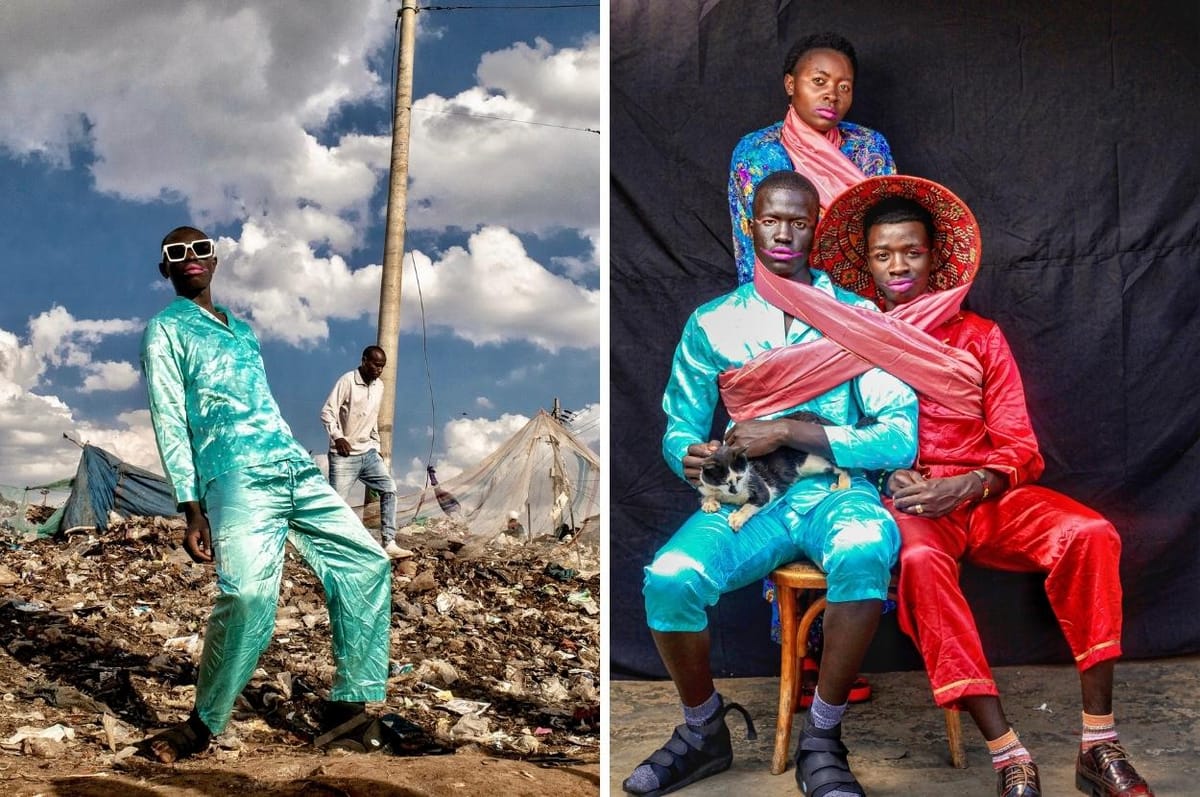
(958,756)
(789,673)
(814,608)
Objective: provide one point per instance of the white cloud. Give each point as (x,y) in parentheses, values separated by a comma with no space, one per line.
(32,447)
(493,292)
(109,375)
(230,125)
(489,292)
(469,171)
(32,423)
(288,291)
(213,103)
(58,339)
(483,402)
(522,374)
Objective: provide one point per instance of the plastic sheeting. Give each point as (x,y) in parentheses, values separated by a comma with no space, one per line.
(104,483)
(543,472)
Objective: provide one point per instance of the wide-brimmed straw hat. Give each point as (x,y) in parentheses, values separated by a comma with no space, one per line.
(840,248)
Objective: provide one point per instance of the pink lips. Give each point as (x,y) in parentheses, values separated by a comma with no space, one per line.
(900,286)
(826,113)
(782,253)
(192,271)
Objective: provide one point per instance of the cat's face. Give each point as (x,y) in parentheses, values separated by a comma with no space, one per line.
(723,474)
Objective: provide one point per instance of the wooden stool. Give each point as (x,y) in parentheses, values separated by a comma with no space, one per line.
(803,584)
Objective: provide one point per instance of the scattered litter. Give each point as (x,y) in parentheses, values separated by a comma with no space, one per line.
(492,646)
(460,706)
(55,733)
(559,572)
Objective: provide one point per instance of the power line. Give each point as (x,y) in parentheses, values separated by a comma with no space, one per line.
(510,7)
(507,119)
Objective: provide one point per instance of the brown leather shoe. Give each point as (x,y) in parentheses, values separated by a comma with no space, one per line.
(1105,771)
(1019,780)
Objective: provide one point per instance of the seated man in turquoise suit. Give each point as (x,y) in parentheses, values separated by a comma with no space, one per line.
(846,532)
(245,486)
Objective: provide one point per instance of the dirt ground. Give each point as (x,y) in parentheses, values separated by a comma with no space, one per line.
(494,666)
(301,773)
(897,740)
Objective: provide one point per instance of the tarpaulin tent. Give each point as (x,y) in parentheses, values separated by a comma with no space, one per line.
(104,483)
(543,472)
(1070,130)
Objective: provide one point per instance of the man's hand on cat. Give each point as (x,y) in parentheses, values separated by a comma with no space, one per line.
(696,454)
(757,438)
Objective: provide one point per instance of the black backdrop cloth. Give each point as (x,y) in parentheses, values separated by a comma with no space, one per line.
(1073,131)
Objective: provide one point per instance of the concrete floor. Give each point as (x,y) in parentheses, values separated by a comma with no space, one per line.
(897,740)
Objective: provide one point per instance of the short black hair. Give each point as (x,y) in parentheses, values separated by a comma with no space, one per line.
(372,348)
(898,210)
(820,41)
(177,230)
(786,179)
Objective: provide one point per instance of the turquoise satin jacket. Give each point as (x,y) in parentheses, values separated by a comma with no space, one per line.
(732,329)
(210,403)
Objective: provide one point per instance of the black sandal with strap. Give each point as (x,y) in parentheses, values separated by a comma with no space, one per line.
(683,760)
(361,733)
(177,742)
(821,765)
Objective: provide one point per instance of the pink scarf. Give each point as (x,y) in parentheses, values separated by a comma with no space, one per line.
(817,157)
(855,340)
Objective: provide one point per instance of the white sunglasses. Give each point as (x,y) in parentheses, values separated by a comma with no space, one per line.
(201,250)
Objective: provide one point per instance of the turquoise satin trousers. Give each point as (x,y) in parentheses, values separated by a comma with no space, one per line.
(849,535)
(251,514)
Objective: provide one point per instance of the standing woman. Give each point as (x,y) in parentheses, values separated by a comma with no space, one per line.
(818,75)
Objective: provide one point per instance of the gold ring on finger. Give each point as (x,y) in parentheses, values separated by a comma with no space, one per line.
(920,510)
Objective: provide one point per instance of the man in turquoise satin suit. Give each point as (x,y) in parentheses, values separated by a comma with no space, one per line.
(245,486)
(847,532)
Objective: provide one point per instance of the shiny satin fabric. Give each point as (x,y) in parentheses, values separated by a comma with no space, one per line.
(1003,440)
(1029,529)
(847,533)
(819,158)
(252,513)
(210,403)
(855,341)
(732,329)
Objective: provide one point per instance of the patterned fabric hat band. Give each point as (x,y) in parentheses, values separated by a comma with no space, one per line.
(840,247)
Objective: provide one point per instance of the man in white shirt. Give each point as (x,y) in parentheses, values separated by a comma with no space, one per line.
(351,417)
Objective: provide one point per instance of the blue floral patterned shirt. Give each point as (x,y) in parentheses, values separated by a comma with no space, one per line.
(761,153)
(210,403)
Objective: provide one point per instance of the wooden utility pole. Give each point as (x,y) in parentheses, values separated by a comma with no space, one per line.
(393,246)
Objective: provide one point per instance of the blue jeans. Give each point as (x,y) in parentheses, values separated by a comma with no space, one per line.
(370,469)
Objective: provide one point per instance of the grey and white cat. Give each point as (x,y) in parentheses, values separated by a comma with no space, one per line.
(728,476)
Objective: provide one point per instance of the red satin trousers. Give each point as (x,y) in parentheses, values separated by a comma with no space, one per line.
(1028,529)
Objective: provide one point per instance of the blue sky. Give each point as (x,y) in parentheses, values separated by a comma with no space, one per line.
(268,125)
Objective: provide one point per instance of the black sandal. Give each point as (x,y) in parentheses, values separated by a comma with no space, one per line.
(821,765)
(177,742)
(681,763)
(359,734)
